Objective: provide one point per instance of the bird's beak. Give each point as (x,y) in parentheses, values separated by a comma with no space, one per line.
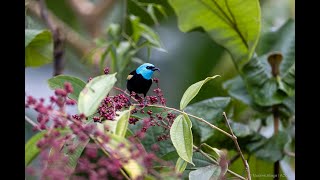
(155,69)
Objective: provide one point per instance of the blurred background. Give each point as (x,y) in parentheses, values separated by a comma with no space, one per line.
(189,57)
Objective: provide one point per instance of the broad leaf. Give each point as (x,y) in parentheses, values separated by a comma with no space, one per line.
(58,82)
(94,92)
(199,160)
(211,172)
(38,47)
(262,86)
(265,89)
(234,24)
(236,89)
(31,149)
(192,91)
(273,149)
(210,110)
(247,136)
(181,137)
(151,136)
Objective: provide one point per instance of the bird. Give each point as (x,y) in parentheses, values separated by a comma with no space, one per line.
(140,79)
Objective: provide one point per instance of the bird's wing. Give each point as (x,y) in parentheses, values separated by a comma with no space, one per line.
(131,75)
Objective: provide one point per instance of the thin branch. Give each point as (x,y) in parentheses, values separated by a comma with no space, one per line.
(72,38)
(197,118)
(58,40)
(30,121)
(215,162)
(234,138)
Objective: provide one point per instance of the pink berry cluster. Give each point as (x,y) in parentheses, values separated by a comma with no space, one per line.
(65,133)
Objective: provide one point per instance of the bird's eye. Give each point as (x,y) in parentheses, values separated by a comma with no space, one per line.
(149,67)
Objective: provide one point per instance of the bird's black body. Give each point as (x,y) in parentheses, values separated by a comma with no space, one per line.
(138,84)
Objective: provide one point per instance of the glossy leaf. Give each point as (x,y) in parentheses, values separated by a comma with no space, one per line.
(192,91)
(210,110)
(94,92)
(233,24)
(57,82)
(181,137)
(181,165)
(38,47)
(31,149)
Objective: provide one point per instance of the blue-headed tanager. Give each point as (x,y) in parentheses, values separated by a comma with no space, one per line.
(140,80)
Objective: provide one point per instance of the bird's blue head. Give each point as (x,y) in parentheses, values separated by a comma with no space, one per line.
(146,70)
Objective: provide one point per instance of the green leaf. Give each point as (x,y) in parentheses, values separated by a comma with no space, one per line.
(265,89)
(181,137)
(273,149)
(152,134)
(210,150)
(192,91)
(210,110)
(58,82)
(123,122)
(234,24)
(161,10)
(38,47)
(124,54)
(151,12)
(75,155)
(211,172)
(199,160)
(142,30)
(181,165)
(261,85)
(114,30)
(94,92)
(170,156)
(31,149)
(236,89)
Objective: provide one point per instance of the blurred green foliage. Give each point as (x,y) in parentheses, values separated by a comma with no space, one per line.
(192,57)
